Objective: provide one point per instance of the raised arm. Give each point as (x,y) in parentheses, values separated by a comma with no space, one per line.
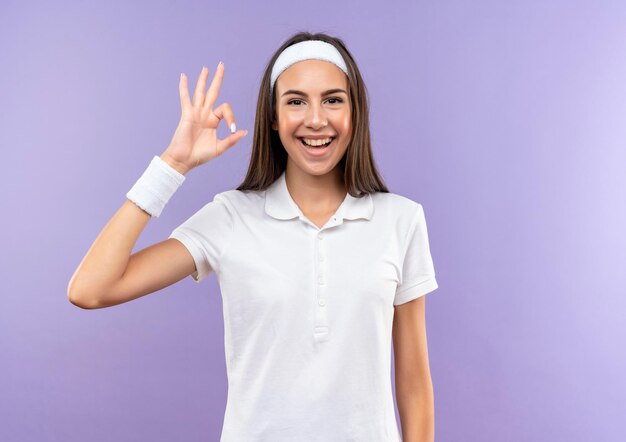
(108,274)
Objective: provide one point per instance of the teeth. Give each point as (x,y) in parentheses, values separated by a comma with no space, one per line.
(316,142)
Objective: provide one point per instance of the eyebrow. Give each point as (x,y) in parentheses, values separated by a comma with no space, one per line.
(328,92)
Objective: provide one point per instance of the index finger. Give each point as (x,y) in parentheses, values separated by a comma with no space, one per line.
(214,88)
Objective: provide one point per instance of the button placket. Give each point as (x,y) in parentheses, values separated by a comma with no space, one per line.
(321,274)
(321,328)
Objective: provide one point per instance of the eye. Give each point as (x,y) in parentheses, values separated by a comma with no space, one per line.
(336,99)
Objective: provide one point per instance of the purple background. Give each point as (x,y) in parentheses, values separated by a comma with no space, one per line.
(505,120)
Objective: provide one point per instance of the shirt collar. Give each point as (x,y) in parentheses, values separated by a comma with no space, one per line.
(280,205)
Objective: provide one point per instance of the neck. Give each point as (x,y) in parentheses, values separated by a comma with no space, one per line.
(316,193)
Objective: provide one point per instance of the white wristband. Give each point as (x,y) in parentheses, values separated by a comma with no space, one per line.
(155,187)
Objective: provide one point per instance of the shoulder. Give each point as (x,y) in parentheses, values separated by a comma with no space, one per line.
(241,201)
(397,205)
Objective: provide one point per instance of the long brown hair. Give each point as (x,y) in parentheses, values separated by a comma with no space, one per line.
(269,158)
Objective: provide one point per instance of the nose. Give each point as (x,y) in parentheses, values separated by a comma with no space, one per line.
(316,117)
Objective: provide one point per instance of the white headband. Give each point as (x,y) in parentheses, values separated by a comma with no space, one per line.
(306,50)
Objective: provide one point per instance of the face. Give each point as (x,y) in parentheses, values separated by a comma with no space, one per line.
(305,110)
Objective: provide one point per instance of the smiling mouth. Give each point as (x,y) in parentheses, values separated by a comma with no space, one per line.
(317,147)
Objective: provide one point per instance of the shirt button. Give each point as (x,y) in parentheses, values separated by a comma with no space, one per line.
(320,237)
(320,280)
(321,302)
(321,258)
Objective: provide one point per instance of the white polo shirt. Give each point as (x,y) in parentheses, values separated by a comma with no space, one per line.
(308,312)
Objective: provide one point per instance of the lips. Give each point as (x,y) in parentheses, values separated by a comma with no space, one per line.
(314,151)
(317,147)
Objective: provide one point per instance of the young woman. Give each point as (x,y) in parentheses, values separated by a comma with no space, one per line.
(319,265)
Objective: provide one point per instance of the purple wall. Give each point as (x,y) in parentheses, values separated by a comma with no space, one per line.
(506,121)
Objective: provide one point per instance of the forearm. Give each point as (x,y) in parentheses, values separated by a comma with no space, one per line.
(417,413)
(109,255)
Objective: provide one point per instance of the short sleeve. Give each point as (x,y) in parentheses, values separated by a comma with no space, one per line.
(418,272)
(206,234)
